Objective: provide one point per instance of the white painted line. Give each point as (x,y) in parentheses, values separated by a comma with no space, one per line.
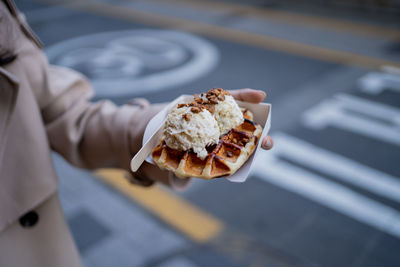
(340,167)
(327,193)
(376,82)
(132,62)
(371,108)
(335,112)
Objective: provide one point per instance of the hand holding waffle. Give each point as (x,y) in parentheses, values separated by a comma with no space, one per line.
(210,136)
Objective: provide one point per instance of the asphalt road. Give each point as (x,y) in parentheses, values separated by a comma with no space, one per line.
(328,194)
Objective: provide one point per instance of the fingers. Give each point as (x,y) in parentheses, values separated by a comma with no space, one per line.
(155,174)
(248,95)
(267,143)
(179,184)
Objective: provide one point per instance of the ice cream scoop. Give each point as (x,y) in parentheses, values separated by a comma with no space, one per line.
(227,114)
(200,123)
(191,128)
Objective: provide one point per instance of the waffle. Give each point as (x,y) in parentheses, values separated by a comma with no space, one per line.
(224,158)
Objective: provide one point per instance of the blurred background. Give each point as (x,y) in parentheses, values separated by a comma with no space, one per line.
(328,194)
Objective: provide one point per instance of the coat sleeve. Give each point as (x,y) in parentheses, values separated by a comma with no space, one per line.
(91,135)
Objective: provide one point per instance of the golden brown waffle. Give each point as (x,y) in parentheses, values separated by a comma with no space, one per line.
(224,158)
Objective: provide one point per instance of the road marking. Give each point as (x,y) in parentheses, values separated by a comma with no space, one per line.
(323,191)
(293,18)
(377,82)
(338,166)
(233,35)
(131,62)
(186,218)
(335,112)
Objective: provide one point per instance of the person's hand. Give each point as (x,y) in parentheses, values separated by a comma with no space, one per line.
(253,96)
(148,170)
(148,174)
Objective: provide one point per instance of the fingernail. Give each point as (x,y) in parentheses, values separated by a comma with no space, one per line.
(265,94)
(269,143)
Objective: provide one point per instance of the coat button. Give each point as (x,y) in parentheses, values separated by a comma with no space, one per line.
(30,219)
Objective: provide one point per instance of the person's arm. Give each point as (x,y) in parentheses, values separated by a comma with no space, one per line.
(100,134)
(91,135)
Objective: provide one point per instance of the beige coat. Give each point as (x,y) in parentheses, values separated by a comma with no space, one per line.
(43,108)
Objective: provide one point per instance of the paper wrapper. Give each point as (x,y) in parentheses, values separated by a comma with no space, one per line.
(262,116)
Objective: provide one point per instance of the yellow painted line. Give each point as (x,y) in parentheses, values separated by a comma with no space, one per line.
(300,49)
(186,218)
(233,35)
(288,17)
